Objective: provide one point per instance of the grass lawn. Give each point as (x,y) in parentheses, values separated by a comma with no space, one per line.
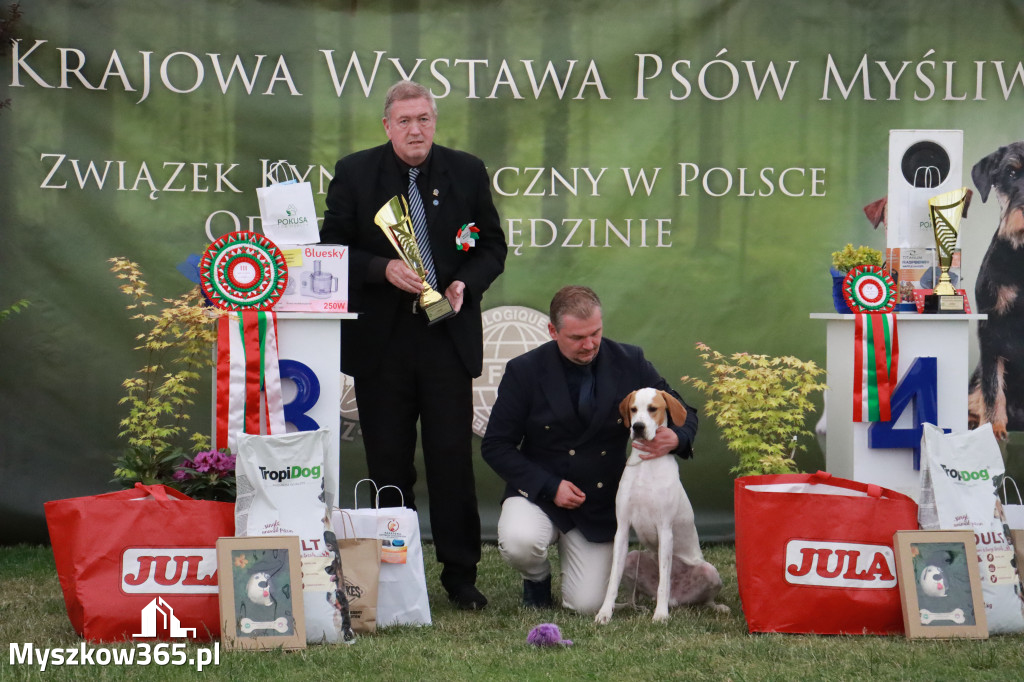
(491,645)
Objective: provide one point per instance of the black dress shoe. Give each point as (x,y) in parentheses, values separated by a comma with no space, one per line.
(537,593)
(467,598)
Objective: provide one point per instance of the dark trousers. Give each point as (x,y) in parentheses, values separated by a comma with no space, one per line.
(423,379)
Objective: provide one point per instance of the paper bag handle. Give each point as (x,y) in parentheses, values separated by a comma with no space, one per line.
(400,494)
(345,515)
(289,175)
(355,490)
(1020,500)
(376,501)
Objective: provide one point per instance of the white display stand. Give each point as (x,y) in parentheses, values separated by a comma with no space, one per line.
(314,340)
(847,450)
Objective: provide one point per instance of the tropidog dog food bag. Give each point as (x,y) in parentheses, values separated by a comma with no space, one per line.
(960,476)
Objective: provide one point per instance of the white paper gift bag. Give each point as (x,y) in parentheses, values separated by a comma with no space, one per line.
(287,209)
(402,591)
(1013,504)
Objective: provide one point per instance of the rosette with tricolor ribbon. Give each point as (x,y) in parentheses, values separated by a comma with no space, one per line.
(243,271)
(869,289)
(466,237)
(871,294)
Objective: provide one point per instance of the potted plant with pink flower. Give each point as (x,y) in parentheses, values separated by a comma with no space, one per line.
(209,475)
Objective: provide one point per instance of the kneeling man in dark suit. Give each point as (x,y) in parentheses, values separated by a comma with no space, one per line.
(556,437)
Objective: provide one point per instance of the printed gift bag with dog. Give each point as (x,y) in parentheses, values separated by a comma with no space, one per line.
(814,554)
(139,563)
(402,590)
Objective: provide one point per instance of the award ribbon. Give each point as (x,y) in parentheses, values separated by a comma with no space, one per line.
(246,273)
(243,271)
(871,294)
(247,361)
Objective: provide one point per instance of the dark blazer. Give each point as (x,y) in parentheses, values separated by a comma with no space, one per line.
(535,439)
(365,181)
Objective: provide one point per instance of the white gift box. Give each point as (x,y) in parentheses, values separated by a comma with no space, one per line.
(317,278)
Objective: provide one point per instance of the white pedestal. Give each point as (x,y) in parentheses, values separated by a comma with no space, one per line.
(848,453)
(313,340)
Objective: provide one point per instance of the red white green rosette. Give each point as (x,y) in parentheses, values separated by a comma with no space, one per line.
(243,271)
(869,289)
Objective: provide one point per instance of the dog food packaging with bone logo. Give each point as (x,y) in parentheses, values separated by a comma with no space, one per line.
(814,554)
(139,564)
(960,476)
(280,481)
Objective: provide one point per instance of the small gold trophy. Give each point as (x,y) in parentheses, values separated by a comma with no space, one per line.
(946,210)
(393,218)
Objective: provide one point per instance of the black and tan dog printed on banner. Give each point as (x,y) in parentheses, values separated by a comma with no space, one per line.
(997,384)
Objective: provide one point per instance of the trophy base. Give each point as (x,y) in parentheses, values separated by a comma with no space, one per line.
(940,303)
(437,311)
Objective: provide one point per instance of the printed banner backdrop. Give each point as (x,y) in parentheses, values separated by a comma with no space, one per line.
(696,162)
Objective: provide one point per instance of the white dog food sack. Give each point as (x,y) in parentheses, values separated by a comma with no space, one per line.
(959,477)
(280,483)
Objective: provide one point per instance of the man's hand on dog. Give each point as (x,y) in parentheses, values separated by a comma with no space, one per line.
(665,441)
(569,496)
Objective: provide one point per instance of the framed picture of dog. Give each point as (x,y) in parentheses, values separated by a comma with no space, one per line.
(940,584)
(260,584)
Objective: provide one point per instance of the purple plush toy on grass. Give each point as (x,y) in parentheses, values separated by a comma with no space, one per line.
(547,634)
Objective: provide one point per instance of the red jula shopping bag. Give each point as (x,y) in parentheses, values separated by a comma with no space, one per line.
(814,554)
(139,563)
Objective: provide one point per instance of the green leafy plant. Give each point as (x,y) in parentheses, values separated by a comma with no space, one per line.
(147,465)
(760,404)
(15,307)
(177,342)
(850,257)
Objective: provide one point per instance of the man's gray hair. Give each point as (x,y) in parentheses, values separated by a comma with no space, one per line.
(406,89)
(578,301)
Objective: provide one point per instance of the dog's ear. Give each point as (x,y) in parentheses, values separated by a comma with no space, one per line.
(675,408)
(982,172)
(624,406)
(876,211)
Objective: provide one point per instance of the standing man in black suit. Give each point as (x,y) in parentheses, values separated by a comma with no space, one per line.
(404,369)
(556,437)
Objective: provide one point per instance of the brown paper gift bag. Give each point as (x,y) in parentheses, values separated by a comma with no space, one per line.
(360,561)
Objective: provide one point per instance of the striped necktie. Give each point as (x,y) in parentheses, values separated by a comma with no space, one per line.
(419,226)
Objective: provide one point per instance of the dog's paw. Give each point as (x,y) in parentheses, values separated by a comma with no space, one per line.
(721,608)
(999,430)
(603,616)
(660,615)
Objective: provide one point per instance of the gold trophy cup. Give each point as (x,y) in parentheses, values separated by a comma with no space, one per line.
(946,210)
(393,219)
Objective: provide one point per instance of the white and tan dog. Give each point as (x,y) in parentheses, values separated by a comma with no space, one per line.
(652,501)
